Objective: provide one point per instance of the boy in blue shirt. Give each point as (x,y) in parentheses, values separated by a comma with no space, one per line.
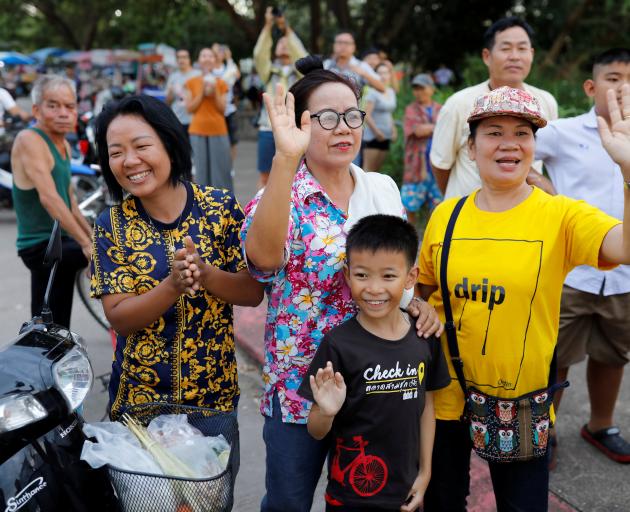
(372,378)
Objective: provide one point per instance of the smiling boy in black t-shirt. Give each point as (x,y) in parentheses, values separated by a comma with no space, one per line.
(372,377)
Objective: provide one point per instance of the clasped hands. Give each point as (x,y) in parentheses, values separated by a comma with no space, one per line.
(188,268)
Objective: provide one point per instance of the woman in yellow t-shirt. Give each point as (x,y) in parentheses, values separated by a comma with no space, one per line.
(208,130)
(511,249)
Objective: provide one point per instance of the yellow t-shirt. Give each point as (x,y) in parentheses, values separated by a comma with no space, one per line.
(505,275)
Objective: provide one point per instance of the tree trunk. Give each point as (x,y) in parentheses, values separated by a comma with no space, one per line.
(316,25)
(47,8)
(396,22)
(573,19)
(246,26)
(342,12)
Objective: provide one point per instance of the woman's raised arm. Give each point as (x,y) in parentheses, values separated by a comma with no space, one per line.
(616,140)
(267,233)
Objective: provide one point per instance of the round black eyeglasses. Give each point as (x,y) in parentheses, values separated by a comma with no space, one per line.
(330,119)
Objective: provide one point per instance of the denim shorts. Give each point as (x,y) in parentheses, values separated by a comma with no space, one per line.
(266,150)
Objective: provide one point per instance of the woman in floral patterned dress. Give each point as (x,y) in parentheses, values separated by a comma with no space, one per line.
(294,240)
(166,264)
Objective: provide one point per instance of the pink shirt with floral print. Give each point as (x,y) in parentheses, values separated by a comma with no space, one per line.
(308,295)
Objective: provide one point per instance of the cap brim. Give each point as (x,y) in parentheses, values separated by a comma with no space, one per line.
(540,122)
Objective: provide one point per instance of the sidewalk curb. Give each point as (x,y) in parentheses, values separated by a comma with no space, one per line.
(249,330)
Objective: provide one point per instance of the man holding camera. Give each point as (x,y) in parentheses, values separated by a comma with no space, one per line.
(288,49)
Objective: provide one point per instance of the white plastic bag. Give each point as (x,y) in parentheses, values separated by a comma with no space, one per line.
(188,444)
(118,447)
(170,429)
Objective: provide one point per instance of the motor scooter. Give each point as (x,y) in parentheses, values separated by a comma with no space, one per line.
(45,375)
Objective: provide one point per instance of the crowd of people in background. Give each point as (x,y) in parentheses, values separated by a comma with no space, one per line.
(325,128)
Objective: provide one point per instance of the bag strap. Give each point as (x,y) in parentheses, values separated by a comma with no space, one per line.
(449,324)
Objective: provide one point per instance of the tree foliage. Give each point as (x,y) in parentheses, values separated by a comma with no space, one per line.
(423,33)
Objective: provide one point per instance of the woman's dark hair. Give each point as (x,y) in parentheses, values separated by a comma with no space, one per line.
(383,233)
(473,125)
(162,119)
(312,67)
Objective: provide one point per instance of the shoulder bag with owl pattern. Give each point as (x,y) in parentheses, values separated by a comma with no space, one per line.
(502,430)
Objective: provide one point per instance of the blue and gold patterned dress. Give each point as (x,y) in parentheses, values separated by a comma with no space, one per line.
(187,355)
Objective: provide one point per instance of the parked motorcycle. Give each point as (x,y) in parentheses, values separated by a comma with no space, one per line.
(45,375)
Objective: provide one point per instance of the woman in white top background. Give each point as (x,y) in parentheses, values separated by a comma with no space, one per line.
(380,130)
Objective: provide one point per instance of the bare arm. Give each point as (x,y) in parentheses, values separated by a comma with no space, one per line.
(17,111)
(441,178)
(540,181)
(128,312)
(427,436)
(329,392)
(193,101)
(615,247)
(369,108)
(267,233)
(170,95)
(374,81)
(262,50)
(424,130)
(319,424)
(29,155)
(220,100)
(426,290)
(233,287)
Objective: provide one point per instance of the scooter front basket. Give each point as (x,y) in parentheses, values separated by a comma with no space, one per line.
(140,492)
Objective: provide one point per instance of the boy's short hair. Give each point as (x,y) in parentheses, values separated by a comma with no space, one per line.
(384,233)
(610,56)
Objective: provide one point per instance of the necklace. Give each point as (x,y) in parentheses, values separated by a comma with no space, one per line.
(170,245)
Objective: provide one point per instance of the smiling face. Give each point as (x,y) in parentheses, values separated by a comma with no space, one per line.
(332,149)
(423,94)
(207,60)
(183,60)
(344,46)
(377,281)
(57,112)
(137,157)
(385,74)
(510,58)
(503,149)
(607,76)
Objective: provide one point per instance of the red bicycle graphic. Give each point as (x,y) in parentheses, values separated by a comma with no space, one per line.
(368,473)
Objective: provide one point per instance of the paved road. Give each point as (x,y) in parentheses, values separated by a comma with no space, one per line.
(585,479)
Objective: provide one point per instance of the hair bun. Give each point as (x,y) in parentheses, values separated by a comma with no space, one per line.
(309,63)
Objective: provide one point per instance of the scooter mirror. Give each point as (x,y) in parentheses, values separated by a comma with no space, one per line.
(52,257)
(53,251)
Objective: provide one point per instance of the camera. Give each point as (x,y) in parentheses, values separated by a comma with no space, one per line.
(276,11)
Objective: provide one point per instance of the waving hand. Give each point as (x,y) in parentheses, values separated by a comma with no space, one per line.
(616,137)
(290,140)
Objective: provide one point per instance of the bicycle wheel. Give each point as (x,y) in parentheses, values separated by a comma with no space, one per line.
(94,306)
(369,476)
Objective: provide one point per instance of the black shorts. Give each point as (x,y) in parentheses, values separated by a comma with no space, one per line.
(232,126)
(383,145)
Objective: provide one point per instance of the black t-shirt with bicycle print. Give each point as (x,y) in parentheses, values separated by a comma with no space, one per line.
(374,452)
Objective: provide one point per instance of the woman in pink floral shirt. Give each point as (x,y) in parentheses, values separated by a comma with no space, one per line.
(294,240)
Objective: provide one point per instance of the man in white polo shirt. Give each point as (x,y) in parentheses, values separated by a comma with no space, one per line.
(508,54)
(595,311)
